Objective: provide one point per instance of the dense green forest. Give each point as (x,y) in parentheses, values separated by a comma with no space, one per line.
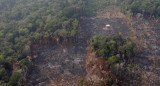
(149,8)
(22,21)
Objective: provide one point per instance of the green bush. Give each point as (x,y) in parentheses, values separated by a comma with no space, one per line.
(3,74)
(24,63)
(13,81)
(113,59)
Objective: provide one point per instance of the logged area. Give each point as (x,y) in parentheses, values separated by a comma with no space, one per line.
(58,64)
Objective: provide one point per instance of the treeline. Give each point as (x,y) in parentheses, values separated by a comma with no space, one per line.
(25,21)
(118,54)
(149,8)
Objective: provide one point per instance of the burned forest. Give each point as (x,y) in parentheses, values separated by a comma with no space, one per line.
(79,43)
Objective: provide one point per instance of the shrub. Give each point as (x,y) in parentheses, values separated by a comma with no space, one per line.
(13,81)
(24,63)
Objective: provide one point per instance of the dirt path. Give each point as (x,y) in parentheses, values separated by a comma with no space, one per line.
(63,65)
